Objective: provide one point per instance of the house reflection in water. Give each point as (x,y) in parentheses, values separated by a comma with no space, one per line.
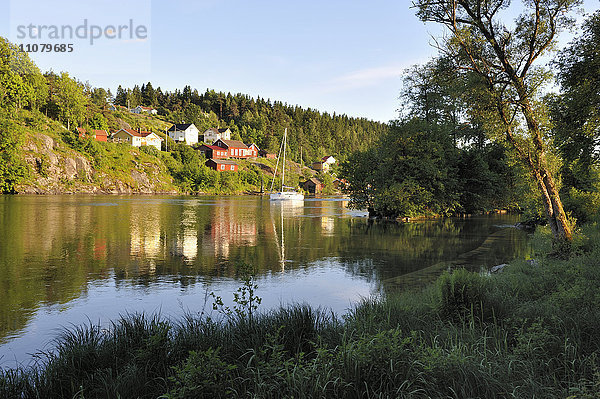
(145,243)
(230,228)
(185,241)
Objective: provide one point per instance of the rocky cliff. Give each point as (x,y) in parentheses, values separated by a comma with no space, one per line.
(57,169)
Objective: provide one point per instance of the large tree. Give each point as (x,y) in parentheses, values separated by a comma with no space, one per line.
(70,100)
(576,112)
(503,59)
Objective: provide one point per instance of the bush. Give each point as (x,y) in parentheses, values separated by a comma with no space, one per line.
(462,294)
(203,375)
(583,205)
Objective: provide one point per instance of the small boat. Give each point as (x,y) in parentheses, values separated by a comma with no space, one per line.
(286,193)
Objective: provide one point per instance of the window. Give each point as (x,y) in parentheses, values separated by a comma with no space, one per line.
(222,167)
(232,167)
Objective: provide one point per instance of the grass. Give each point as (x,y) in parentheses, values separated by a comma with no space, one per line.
(531,331)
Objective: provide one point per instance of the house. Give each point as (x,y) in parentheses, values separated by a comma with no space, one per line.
(329,160)
(320,166)
(98,135)
(235,148)
(222,165)
(254,150)
(313,186)
(141,109)
(212,151)
(213,134)
(137,138)
(184,133)
(113,107)
(266,154)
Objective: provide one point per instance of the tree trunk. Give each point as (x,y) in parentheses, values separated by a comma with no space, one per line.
(557,219)
(563,228)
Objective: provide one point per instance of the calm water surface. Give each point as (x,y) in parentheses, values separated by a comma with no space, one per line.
(70,260)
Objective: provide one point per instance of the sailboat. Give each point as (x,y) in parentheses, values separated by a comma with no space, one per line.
(286,193)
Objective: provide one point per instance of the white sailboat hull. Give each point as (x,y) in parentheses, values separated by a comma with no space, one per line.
(286,196)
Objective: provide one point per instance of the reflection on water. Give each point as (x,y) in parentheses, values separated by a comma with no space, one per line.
(68,259)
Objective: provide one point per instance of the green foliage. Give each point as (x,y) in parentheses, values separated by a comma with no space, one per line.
(462,294)
(69,99)
(411,172)
(13,168)
(575,112)
(584,206)
(202,375)
(245,298)
(98,122)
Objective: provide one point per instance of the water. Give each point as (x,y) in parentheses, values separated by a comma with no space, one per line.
(71,260)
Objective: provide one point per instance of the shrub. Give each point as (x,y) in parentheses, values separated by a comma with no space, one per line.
(462,294)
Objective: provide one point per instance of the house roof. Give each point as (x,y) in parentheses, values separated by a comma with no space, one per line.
(146,108)
(313,180)
(179,126)
(253,144)
(222,161)
(234,143)
(213,147)
(216,130)
(324,159)
(97,132)
(134,132)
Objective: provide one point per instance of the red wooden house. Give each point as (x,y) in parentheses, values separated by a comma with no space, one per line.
(254,150)
(235,148)
(212,151)
(98,135)
(222,165)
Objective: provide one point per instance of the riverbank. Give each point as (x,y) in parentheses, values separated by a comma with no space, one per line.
(530,331)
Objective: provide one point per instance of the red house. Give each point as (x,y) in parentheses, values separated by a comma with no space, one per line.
(222,165)
(266,154)
(254,150)
(235,148)
(212,151)
(98,135)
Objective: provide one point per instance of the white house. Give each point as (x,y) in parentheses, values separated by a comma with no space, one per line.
(184,133)
(328,159)
(136,138)
(141,109)
(213,134)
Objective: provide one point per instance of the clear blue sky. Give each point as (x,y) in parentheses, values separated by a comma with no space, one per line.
(337,56)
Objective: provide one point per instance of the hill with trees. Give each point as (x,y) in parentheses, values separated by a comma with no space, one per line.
(39,112)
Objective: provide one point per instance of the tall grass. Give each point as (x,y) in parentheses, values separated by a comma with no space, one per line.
(531,331)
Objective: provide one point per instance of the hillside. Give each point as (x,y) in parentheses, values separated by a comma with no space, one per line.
(57,161)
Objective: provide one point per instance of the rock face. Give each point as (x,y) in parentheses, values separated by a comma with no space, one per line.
(60,170)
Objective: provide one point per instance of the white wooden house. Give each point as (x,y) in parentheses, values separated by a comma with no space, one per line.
(184,133)
(213,134)
(136,138)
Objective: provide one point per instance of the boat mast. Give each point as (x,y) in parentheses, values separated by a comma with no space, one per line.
(283,165)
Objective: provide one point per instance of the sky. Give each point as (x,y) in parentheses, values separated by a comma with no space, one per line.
(346,57)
